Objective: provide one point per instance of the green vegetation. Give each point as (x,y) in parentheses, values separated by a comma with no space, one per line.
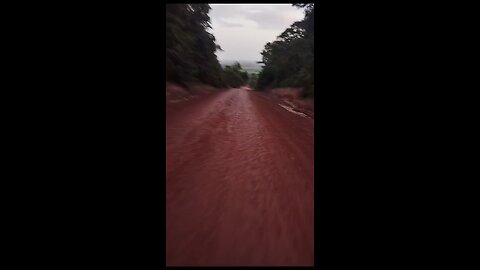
(235,76)
(253,80)
(289,61)
(190,49)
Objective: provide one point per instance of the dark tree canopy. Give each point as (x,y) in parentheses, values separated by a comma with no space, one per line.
(190,48)
(289,60)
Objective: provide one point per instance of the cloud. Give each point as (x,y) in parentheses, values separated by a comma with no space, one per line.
(242,30)
(235,22)
(268,20)
(264,16)
(228,24)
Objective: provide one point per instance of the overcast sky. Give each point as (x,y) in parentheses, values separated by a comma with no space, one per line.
(242,30)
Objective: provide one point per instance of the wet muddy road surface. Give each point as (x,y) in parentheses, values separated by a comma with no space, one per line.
(240,182)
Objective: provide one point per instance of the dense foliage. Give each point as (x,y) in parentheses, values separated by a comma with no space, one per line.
(253,80)
(289,61)
(190,49)
(235,76)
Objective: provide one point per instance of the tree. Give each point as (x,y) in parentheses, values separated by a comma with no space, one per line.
(289,59)
(235,76)
(253,80)
(190,52)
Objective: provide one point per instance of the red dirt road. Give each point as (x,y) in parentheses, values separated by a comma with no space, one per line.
(240,176)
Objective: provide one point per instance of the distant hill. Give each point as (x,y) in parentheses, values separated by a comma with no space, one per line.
(250,66)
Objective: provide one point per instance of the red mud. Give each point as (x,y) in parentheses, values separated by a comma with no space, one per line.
(291,97)
(240,181)
(175,93)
